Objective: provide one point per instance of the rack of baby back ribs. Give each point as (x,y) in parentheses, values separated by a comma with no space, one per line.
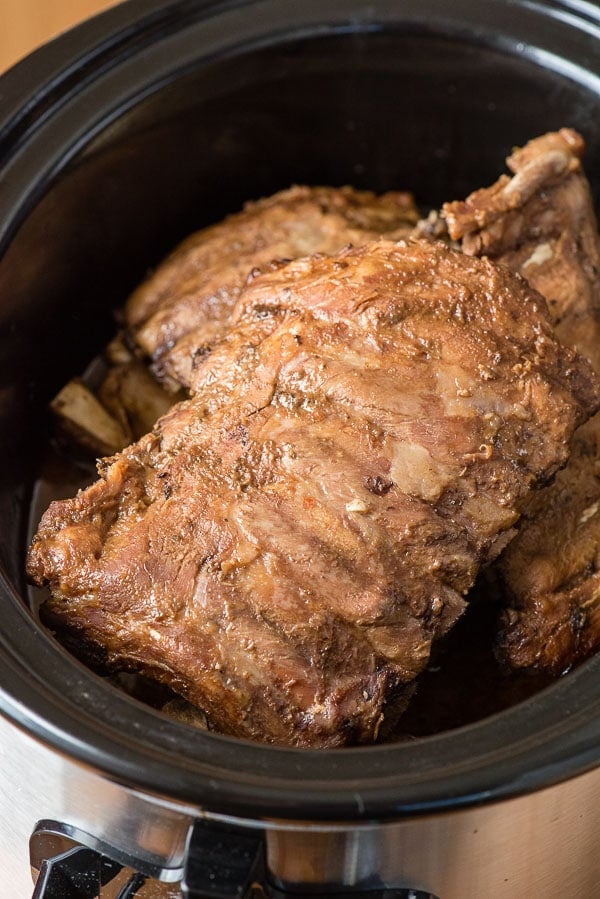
(325,425)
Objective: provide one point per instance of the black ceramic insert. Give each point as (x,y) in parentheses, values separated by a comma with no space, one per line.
(159,117)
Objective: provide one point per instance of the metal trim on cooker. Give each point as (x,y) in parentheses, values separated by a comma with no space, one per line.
(548,738)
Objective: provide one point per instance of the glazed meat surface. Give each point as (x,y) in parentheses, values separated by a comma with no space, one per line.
(541,223)
(284,548)
(183,309)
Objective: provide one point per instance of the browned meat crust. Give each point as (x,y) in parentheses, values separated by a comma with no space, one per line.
(284,548)
(542,224)
(552,570)
(182,310)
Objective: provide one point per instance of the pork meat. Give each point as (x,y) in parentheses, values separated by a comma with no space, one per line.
(285,547)
(541,223)
(183,308)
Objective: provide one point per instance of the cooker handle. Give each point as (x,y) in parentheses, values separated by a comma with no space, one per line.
(227,863)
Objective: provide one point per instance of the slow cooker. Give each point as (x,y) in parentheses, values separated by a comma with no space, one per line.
(117,139)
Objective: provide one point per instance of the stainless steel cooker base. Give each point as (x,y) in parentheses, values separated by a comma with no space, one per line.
(536,845)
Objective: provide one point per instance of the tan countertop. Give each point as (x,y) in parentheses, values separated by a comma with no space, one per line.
(25,24)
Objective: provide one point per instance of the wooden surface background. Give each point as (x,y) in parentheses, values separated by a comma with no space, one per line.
(25,24)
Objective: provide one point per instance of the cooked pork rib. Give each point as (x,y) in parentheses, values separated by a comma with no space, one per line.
(192,294)
(552,576)
(285,546)
(541,223)
(182,310)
